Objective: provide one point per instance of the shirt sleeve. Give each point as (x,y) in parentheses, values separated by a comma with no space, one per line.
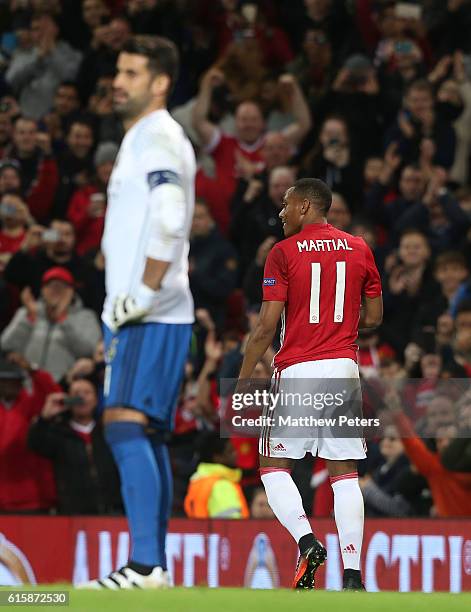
(372,282)
(162,162)
(275,276)
(159,157)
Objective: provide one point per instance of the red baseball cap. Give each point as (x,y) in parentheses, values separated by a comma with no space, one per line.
(58,273)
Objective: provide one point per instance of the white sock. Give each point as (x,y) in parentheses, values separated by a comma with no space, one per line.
(285,501)
(349,517)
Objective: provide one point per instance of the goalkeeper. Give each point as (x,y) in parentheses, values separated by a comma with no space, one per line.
(148,309)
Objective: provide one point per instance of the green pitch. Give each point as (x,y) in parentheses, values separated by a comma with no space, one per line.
(244,600)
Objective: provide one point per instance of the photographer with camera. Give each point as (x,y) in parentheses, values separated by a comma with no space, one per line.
(45,248)
(55,330)
(355,95)
(67,433)
(332,160)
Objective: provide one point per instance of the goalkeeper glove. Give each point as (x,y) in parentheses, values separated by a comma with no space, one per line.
(129,309)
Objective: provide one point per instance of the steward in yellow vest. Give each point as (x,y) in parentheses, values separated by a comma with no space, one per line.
(214,490)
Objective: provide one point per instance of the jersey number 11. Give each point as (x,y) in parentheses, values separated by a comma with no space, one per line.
(314,316)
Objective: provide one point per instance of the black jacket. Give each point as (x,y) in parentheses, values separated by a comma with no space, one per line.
(385,214)
(213,273)
(86,476)
(26,270)
(251,225)
(400,310)
(441,238)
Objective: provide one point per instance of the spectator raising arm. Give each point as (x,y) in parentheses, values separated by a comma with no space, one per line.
(205,129)
(297,105)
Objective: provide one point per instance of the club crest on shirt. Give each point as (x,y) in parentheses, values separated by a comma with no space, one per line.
(111,352)
(269,282)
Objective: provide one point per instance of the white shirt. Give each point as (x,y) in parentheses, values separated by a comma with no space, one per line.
(153,152)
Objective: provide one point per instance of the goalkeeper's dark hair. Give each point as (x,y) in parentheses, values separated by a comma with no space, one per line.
(161,53)
(316,191)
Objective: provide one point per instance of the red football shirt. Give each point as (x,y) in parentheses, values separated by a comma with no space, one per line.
(9,244)
(321,274)
(219,190)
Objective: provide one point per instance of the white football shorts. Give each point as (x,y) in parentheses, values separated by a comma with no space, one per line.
(325,446)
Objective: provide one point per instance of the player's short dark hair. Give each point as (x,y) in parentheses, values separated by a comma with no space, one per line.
(315,191)
(161,53)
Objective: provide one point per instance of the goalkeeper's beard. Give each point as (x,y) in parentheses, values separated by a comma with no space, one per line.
(131,108)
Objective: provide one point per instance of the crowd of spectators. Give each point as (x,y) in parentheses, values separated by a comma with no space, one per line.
(373,97)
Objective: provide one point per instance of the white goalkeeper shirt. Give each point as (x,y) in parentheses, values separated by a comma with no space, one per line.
(155,161)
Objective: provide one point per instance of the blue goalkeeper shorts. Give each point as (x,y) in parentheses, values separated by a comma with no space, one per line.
(145,367)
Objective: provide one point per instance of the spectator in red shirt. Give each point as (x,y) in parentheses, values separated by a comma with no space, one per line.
(87,207)
(14,219)
(26,480)
(232,153)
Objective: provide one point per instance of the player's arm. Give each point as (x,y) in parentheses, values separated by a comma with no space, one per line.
(261,337)
(167,212)
(371,313)
(275,291)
